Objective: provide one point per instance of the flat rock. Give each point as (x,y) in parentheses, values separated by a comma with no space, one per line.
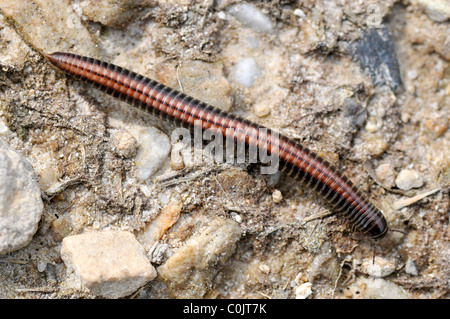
(110,264)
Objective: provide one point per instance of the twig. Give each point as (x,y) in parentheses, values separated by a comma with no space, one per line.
(317,216)
(409,201)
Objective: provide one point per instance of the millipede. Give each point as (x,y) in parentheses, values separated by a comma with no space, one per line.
(295,160)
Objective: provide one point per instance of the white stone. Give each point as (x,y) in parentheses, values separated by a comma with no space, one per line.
(41,266)
(303,291)
(261,109)
(110,264)
(252,17)
(221,15)
(153,151)
(277,196)
(407,179)
(380,267)
(237,218)
(245,72)
(411,268)
(21,205)
(299,13)
(3,127)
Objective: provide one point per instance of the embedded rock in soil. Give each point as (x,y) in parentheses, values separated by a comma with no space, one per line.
(190,270)
(20,201)
(111,264)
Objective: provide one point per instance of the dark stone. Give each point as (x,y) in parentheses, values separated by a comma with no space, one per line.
(375,52)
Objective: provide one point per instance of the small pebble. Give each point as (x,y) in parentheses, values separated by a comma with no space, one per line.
(237,218)
(176,162)
(436,127)
(277,196)
(264,268)
(411,74)
(221,15)
(408,179)
(375,145)
(159,253)
(124,144)
(41,266)
(261,109)
(245,72)
(411,268)
(386,175)
(274,96)
(176,159)
(381,267)
(159,226)
(372,125)
(299,13)
(303,291)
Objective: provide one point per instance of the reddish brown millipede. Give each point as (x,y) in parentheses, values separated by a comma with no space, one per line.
(295,160)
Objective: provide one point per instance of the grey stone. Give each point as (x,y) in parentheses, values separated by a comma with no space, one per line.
(21,205)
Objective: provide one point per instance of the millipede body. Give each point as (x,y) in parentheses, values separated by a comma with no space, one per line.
(295,160)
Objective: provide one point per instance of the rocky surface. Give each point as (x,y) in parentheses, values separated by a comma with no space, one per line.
(362,84)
